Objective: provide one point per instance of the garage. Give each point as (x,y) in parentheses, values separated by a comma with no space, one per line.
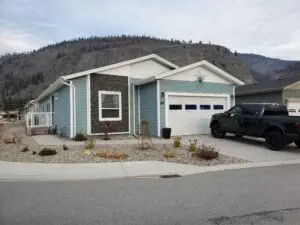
(189,115)
(293,106)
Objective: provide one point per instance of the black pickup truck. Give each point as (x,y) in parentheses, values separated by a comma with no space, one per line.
(269,121)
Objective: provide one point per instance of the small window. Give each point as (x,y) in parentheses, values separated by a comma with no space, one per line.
(205,107)
(292,110)
(218,107)
(175,107)
(190,107)
(110,106)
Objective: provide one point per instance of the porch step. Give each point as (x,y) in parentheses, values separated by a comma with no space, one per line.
(39,130)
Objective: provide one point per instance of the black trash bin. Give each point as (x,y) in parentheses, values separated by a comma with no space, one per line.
(166,133)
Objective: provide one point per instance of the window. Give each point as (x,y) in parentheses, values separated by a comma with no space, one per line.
(190,107)
(175,107)
(205,107)
(292,110)
(236,110)
(110,107)
(218,107)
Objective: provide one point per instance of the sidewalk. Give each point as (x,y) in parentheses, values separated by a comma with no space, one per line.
(14,171)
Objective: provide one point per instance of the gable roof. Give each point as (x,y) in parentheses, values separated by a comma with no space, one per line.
(268,86)
(203,63)
(123,63)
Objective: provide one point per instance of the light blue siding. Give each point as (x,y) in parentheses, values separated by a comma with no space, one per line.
(148,105)
(43,103)
(191,87)
(81,112)
(62,110)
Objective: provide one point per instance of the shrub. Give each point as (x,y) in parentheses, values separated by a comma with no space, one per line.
(206,152)
(25,149)
(65,147)
(169,155)
(177,142)
(80,137)
(193,145)
(111,155)
(90,143)
(47,151)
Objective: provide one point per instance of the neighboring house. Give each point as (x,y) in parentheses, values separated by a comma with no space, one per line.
(283,91)
(146,88)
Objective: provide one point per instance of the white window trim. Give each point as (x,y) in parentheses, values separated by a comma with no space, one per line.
(100,105)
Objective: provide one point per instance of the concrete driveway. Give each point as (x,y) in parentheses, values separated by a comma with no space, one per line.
(252,149)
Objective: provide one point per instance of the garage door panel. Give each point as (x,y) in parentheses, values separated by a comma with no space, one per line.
(293,107)
(193,121)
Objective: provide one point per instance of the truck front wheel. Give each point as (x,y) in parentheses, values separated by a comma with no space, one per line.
(216,131)
(275,140)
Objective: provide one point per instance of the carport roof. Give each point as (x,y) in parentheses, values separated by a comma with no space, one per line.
(268,86)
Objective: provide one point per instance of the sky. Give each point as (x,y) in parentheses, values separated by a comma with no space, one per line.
(266,27)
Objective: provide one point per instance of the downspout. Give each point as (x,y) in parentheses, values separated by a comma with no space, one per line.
(74,105)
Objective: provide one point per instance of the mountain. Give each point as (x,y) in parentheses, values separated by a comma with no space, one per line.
(264,68)
(24,76)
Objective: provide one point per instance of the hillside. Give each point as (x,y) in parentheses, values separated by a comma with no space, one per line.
(27,75)
(264,68)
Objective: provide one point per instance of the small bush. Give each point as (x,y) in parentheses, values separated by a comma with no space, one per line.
(193,145)
(47,151)
(177,142)
(25,149)
(80,137)
(90,143)
(111,155)
(169,155)
(206,152)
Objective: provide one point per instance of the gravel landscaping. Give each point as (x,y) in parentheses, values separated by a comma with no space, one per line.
(78,154)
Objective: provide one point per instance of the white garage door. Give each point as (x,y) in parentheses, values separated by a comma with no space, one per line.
(189,115)
(293,106)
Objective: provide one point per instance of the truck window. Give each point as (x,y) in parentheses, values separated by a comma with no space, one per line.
(278,112)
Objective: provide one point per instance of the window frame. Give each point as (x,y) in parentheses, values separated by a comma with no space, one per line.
(204,109)
(214,105)
(185,107)
(100,93)
(175,109)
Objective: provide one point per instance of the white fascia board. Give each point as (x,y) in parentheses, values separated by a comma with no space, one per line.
(52,88)
(131,61)
(207,65)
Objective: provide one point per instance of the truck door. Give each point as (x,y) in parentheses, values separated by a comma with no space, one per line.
(250,120)
(231,119)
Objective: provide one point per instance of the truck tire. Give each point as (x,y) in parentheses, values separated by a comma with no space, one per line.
(275,140)
(216,131)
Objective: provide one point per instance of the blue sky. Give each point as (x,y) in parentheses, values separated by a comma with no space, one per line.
(267,27)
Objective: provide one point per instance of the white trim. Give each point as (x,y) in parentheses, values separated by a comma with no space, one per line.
(203,63)
(158,107)
(233,95)
(133,116)
(75,109)
(127,132)
(139,110)
(129,105)
(166,109)
(71,111)
(197,94)
(88,104)
(136,60)
(100,105)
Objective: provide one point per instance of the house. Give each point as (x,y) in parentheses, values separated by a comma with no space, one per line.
(284,90)
(126,93)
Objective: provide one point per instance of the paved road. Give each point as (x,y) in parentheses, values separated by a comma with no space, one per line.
(269,195)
